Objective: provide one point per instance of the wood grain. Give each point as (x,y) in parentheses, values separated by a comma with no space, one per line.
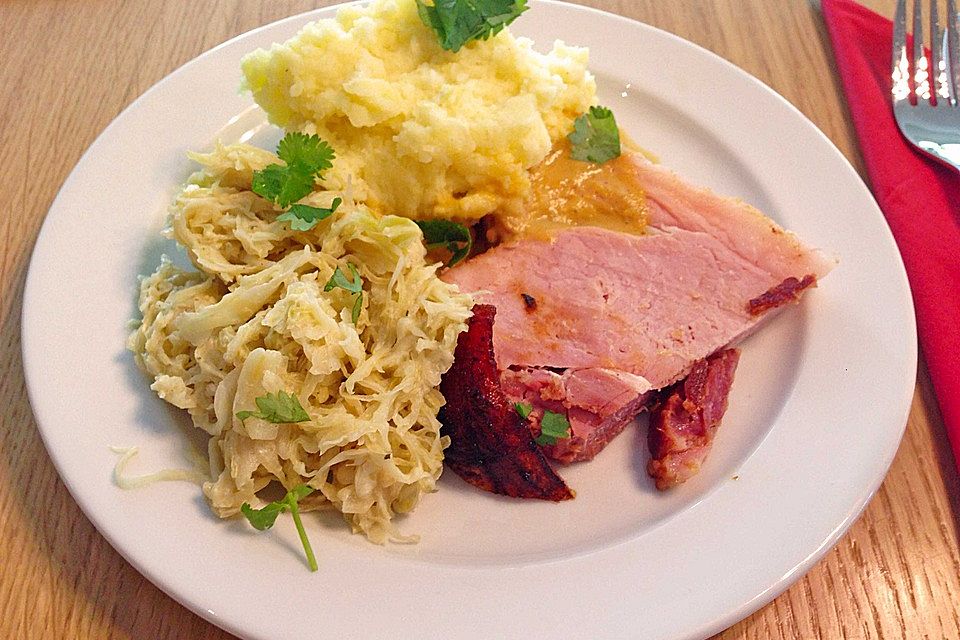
(70,67)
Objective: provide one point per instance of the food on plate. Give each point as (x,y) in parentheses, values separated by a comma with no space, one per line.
(491,445)
(264,518)
(294,381)
(421,131)
(451,233)
(459,22)
(683,424)
(619,315)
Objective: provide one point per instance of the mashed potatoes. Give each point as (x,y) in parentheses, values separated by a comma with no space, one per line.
(419,131)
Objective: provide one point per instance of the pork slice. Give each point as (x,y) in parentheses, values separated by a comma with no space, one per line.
(707,273)
(684,424)
(650,305)
(647,305)
(742,229)
(491,446)
(598,403)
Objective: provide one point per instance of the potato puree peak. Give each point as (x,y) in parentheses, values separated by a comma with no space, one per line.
(419,131)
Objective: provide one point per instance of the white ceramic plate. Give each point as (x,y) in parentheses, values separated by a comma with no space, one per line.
(817,411)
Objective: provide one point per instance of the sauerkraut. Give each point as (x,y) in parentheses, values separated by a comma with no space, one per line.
(254,319)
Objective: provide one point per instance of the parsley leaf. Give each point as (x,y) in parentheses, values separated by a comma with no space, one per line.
(338,279)
(457,22)
(307,153)
(523,409)
(263,519)
(452,236)
(595,136)
(303,217)
(281,185)
(553,427)
(357,308)
(306,157)
(280,407)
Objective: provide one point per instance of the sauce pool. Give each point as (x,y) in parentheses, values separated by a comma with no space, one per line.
(567,193)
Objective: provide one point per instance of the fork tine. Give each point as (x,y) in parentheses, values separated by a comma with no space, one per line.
(937,63)
(953,51)
(921,66)
(934,130)
(901,66)
(943,86)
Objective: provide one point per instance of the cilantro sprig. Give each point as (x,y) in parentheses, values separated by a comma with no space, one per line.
(265,518)
(452,236)
(278,408)
(523,409)
(303,217)
(595,136)
(553,427)
(306,158)
(339,280)
(457,22)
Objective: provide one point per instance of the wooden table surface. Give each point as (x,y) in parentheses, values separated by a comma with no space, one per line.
(68,68)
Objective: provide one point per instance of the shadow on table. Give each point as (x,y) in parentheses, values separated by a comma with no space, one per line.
(941,444)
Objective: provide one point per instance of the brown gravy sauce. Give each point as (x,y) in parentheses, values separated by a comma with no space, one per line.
(567,193)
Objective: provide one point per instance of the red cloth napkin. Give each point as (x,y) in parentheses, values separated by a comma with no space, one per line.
(920,198)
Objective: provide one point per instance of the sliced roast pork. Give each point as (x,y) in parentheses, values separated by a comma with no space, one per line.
(598,404)
(591,320)
(491,445)
(684,423)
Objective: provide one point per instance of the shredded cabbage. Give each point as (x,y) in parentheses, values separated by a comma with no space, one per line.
(255,319)
(125,481)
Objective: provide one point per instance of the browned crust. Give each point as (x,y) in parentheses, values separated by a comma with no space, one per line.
(787,291)
(491,445)
(683,425)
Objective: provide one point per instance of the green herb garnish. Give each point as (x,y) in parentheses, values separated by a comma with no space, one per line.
(452,236)
(306,157)
(278,408)
(457,22)
(553,427)
(523,409)
(303,217)
(338,279)
(263,519)
(595,136)
(281,185)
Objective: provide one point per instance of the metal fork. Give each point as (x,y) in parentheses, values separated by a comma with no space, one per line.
(925,88)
